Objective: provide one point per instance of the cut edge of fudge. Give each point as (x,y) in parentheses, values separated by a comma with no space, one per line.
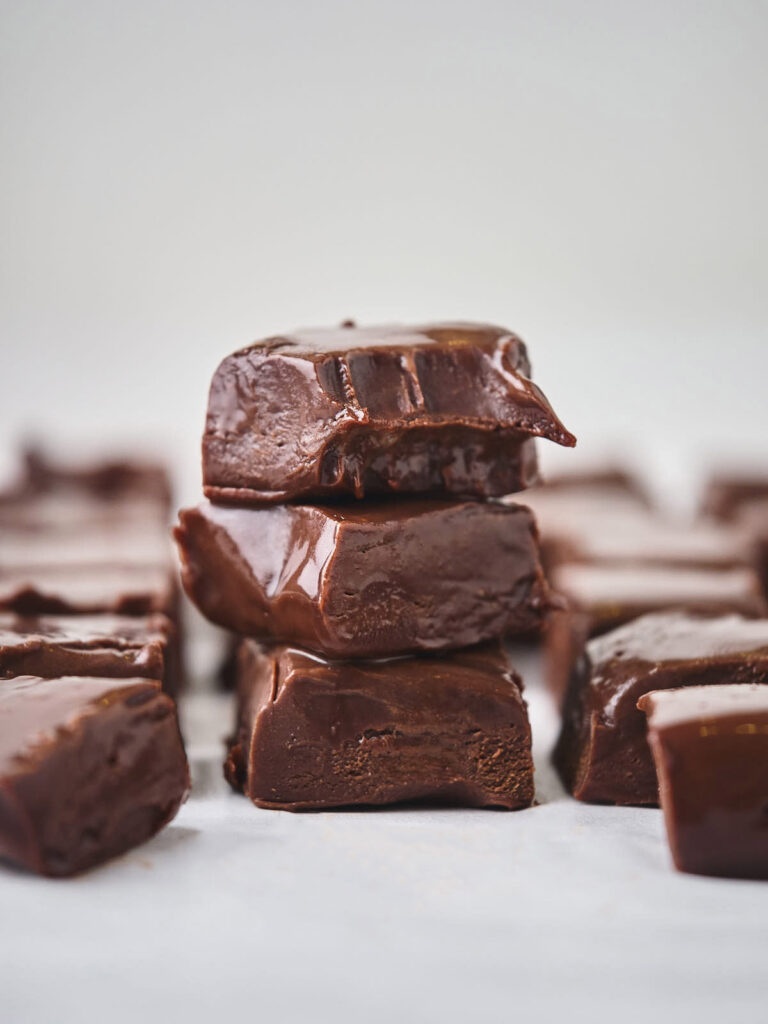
(710,749)
(315,734)
(91,768)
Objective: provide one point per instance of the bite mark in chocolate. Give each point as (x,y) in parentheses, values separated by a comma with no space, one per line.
(363,411)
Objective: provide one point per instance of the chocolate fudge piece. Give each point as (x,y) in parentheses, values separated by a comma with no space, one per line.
(440,408)
(110,646)
(74,513)
(87,590)
(365,579)
(650,540)
(89,768)
(602,753)
(109,480)
(602,597)
(726,493)
(134,544)
(313,733)
(582,506)
(710,746)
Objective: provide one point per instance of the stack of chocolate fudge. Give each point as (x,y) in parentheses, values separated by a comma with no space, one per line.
(91,758)
(353,539)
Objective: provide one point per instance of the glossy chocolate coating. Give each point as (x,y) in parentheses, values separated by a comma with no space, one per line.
(710,747)
(89,768)
(365,579)
(602,753)
(313,733)
(437,408)
(110,646)
(602,597)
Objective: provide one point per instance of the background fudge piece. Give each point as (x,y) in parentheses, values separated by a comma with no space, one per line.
(363,580)
(89,768)
(432,408)
(100,589)
(602,753)
(313,733)
(116,543)
(646,539)
(111,646)
(726,493)
(87,590)
(569,507)
(602,597)
(742,502)
(710,746)
(107,480)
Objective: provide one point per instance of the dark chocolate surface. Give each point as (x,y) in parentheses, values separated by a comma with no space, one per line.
(363,580)
(89,768)
(313,733)
(603,597)
(357,411)
(602,753)
(110,646)
(710,748)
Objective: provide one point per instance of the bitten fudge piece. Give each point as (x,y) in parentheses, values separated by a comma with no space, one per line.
(363,580)
(313,733)
(110,646)
(602,753)
(710,746)
(439,408)
(89,768)
(602,597)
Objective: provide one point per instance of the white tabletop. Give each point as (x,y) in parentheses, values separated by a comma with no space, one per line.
(562,911)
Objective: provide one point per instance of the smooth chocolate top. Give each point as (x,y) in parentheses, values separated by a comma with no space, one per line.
(702,704)
(650,540)
(85,590)
(613,591)
(678,636)
(134,544)
(367,410)
(108,645)
(483,669)
(602,750)
(36,713)
(365,579)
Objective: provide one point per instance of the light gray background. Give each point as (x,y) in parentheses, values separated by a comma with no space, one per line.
(177,178)
(181,177)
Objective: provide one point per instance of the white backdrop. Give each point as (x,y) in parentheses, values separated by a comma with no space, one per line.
(181,177)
